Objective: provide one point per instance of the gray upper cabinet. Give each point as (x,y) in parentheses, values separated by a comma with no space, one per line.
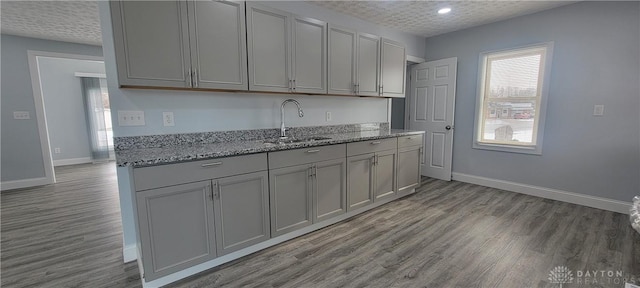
(268,38)
(368,65)
(192,44)
(393,68)
(286,53)
(309,58)
(241,211)
(218,44)
(152,43)
(290,198)
(330,189)
(176,227)
(342,60)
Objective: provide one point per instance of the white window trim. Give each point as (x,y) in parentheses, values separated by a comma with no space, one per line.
(541,112)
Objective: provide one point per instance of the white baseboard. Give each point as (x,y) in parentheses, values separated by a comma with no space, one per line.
(72,161)
(129,253)
(24,183)
(564,196)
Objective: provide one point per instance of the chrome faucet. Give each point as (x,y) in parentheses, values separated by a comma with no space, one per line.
(283,130)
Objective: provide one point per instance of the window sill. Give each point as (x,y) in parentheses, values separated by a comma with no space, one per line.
(533,150)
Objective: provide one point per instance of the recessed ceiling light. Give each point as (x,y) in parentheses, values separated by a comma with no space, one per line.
(444,10)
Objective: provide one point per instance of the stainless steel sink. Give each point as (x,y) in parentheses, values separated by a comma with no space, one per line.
(295,140)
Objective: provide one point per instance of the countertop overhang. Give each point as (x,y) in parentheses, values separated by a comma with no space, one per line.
(143,157)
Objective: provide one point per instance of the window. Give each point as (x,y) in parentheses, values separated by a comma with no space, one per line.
(513,83)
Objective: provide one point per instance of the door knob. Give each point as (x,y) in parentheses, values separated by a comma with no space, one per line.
(448,127)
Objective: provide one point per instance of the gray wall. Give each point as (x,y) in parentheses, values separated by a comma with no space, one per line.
(216,111)
(64,105)
(20,143)
(596,61)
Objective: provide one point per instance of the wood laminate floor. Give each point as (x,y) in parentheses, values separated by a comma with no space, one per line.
(448,234)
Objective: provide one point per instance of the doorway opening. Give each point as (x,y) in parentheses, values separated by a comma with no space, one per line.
(72,109)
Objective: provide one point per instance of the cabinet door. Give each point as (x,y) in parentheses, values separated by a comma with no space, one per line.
(393,69)
(218,44)
(408,169)
(242,211)
(151,41)
(368,65)
(290,198)
(385,174)
(176,227)
(268,39)
(342,60)
(309,55)
(360,181)
(330,193)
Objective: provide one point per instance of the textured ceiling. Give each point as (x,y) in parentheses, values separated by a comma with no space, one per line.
(69,21)
(78,21)
(422,18)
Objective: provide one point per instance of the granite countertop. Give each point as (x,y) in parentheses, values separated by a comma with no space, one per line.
(142,157)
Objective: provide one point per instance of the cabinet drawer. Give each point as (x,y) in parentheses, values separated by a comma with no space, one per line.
(411,140)
(306,155)
(370,146)
(167,175)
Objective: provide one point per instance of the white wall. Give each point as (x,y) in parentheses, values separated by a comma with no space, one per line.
(64,105)
(596,61)
(216,111)
(20,143)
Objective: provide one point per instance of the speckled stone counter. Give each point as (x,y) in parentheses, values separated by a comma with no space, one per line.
(141,151)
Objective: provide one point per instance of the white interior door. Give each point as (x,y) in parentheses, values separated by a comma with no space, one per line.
(431,107)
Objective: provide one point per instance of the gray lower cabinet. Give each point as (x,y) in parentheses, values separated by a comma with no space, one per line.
(371,175)
(176,228)
(241,208)
(329,189)
(385,175)
(360,181)
(290,198)
(192,212)
(312,190)
(408,169)
(410,155)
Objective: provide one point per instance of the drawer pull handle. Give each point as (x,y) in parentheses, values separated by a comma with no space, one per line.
(313,151)
(409,138)
(211,164)
(375,142)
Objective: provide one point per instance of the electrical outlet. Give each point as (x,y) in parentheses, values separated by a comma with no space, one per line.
(167,119)
(598,110)
(21,115)
(57,150)
(131,118)
(328,116)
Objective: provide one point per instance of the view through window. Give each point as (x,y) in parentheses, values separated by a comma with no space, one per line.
(510,97)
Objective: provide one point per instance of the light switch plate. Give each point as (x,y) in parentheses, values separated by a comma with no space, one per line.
(328,118)
(131,118)
(21,115)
